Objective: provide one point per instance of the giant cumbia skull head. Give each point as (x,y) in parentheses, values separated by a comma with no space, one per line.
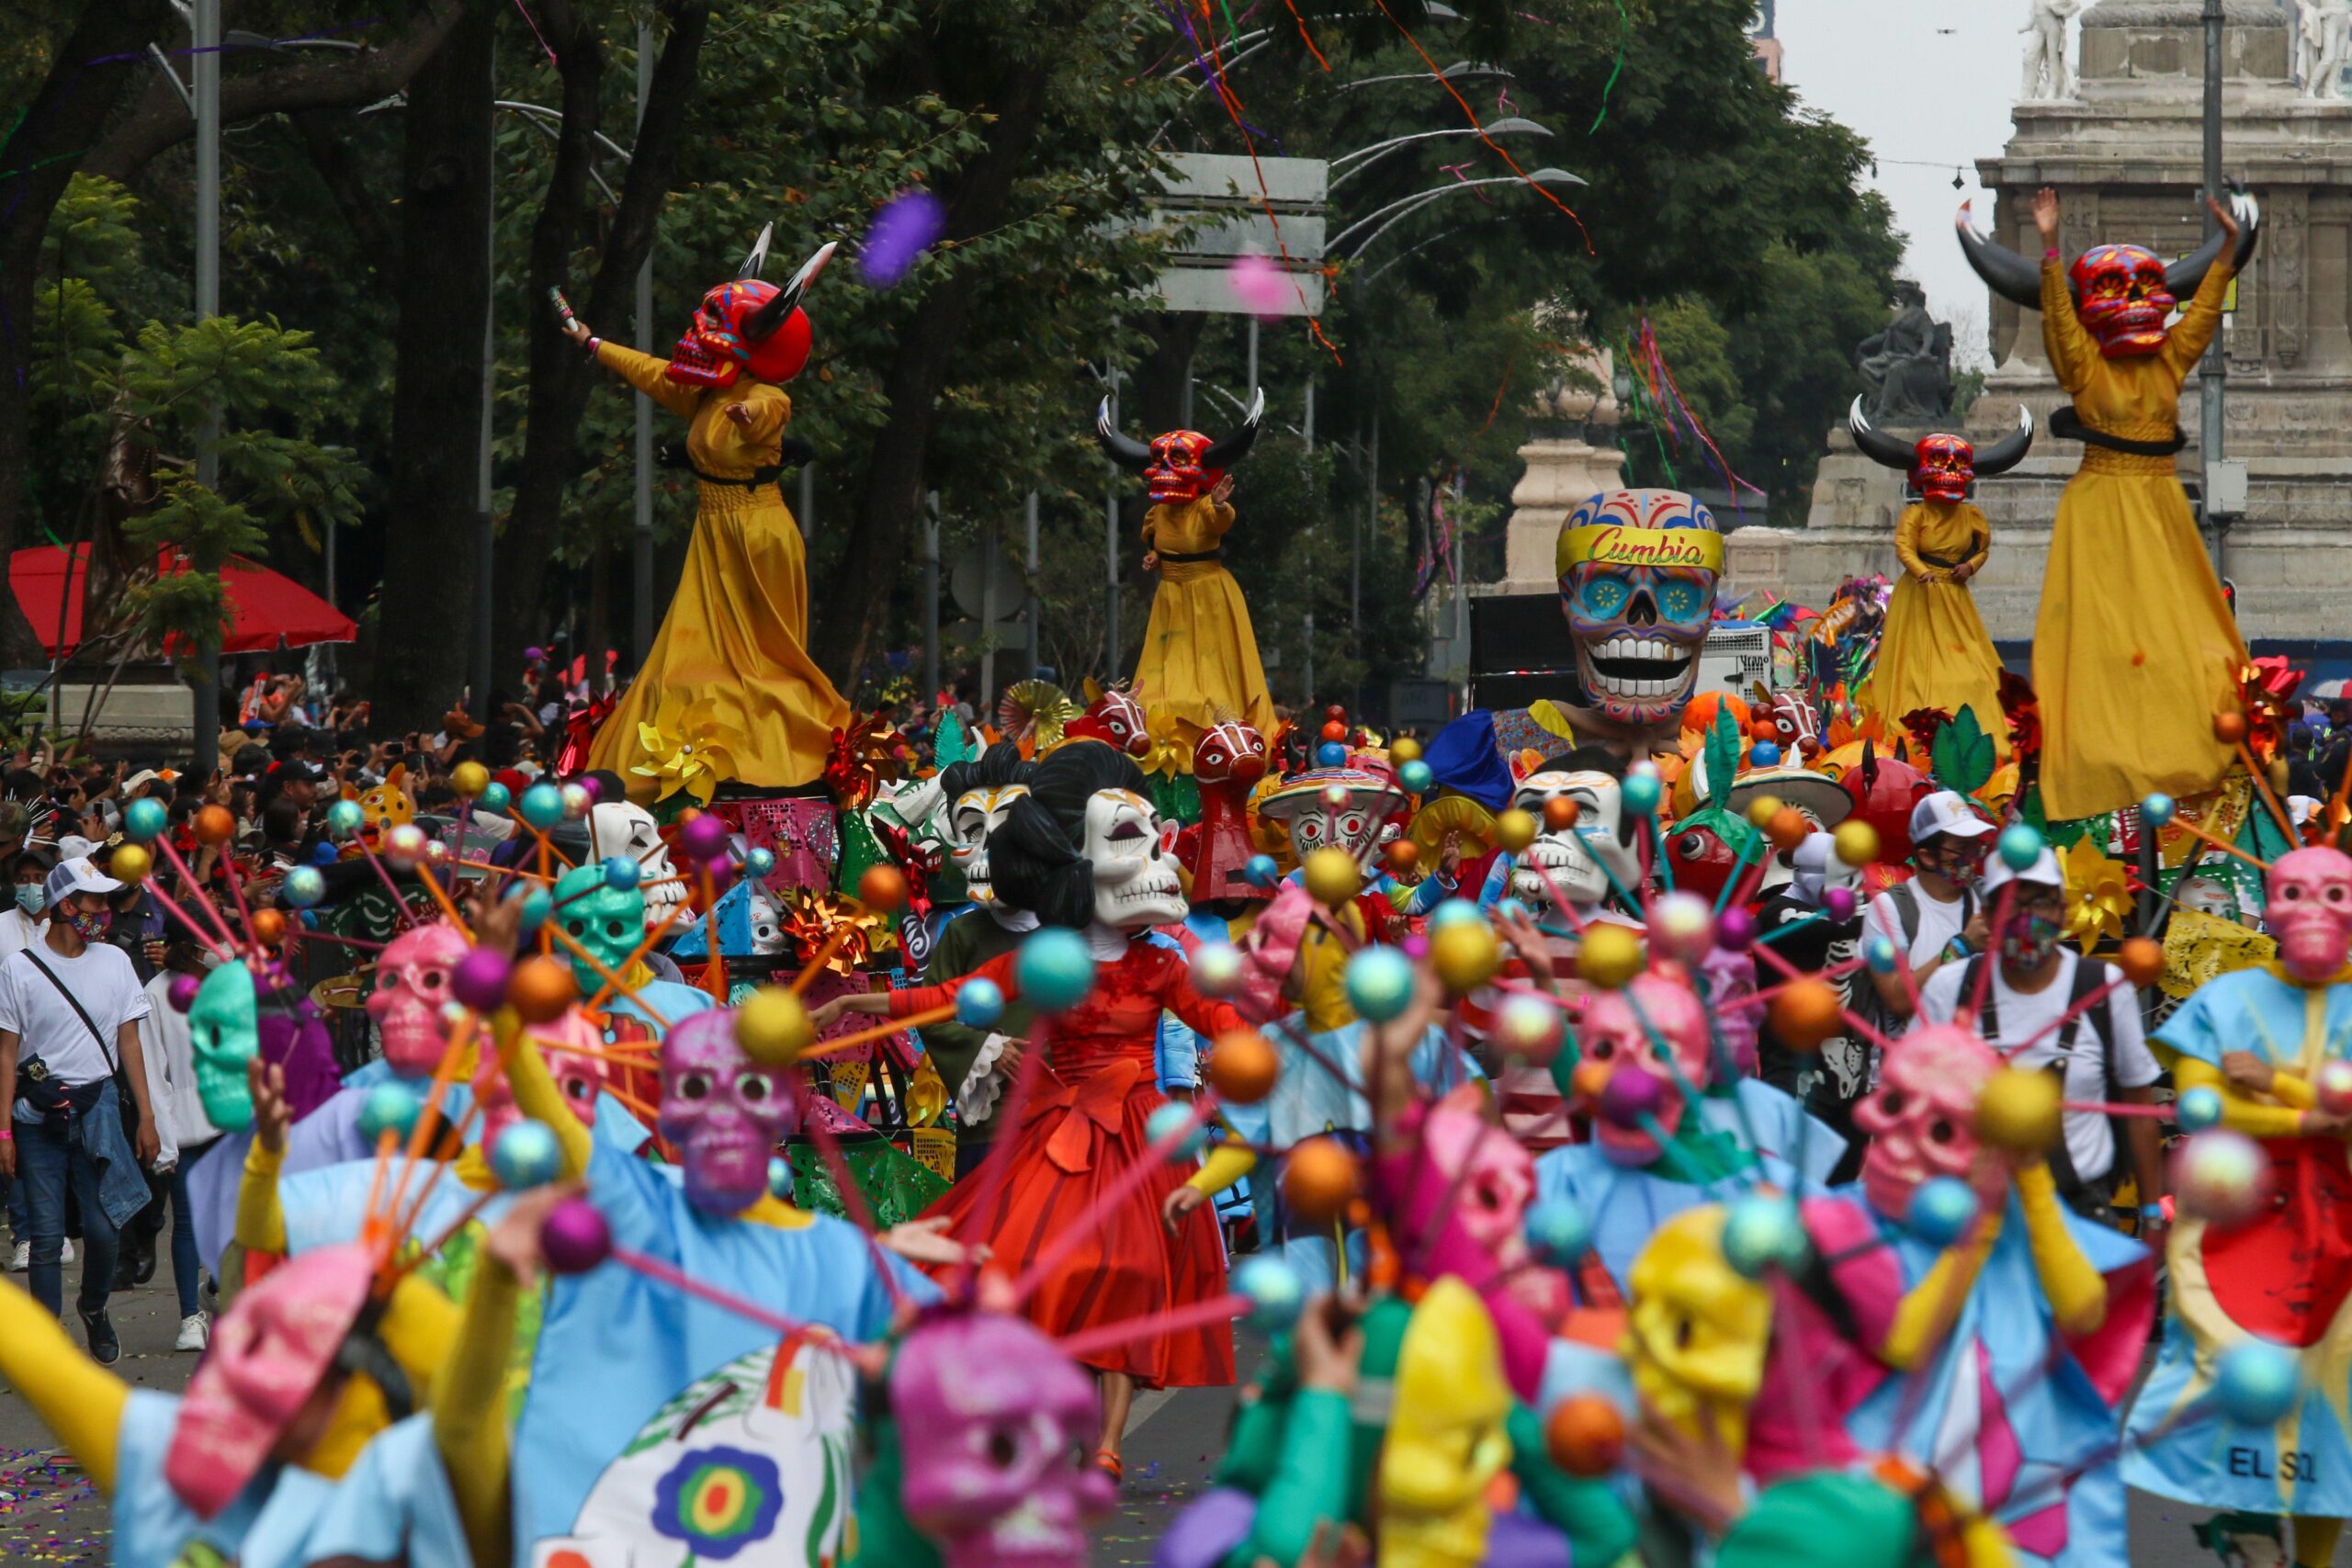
(1638,578)
(412,984)
(2123,297)
(1580,860)
(2310,912)
(1921,1120)
(1615,1040)
(722,1111)
(995,1426)
(748,326)
(622,828)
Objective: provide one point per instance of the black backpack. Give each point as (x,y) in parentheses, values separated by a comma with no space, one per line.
(2089,977)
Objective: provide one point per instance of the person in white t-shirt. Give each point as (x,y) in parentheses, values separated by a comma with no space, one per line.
(72,1003)
(2102,1055)
(1934,918)
(186,1133)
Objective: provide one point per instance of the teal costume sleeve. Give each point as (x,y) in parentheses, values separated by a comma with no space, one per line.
(1309,1485)
(1599,1526)
(2189,1030)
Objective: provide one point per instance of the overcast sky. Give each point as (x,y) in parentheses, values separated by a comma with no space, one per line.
(1929,82)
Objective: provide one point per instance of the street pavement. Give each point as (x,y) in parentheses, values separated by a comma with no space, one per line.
(49,1514)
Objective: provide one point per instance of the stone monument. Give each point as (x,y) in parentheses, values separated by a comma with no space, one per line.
(2323,41)
(1575,457)
(2046,77)
(1907,369)
(2125,157)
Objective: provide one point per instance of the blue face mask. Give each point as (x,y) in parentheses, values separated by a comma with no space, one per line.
(33,898)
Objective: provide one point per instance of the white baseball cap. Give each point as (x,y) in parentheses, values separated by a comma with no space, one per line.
(1948,813)
(74,846)
(77,876)
(2045,871)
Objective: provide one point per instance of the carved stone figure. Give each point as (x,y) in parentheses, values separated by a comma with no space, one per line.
(1907,369)
(2046,72)
(2323,42)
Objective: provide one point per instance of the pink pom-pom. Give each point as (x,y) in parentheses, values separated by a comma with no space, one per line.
(182,991)
(575,1237)
(1260,285)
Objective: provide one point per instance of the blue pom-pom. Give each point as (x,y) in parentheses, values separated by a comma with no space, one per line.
(1166,1121)
(1558,1232)
(1456,912)
(759,862)
(542,805)
(1277,1296)
(324,854)
(526,1156)
(2156,810)
(1639,793)
(538,905)
(622,874)
(392,1105)
(303,886)
(1260,871)
(344,818)
(1942,1207)
(1416,777)
(144,819)
(1054,969)
(2197,1110)
(2256,1382)
(2020,846)
(1379,984)
(780,1178)
(1764,754)
(1763,1232)
(496,797)
(980,1003)
(1331,754)
(1879,953)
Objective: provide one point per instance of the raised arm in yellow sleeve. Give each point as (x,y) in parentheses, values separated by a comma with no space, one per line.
(537,1097)
(2239,1113)
(1225,1164)
(649,375)
(261,1219)
(2077,1291)
(2072,352)
(76,1398)
(2191,336)
(469,1411)
(1928,1307)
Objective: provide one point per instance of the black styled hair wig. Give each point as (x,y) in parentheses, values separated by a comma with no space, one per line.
(995,768)
(1585,760)
(1037,859)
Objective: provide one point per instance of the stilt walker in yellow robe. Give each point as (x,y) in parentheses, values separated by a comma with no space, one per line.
(2135,650)
(1935,652)
(1200,658)
(734,646)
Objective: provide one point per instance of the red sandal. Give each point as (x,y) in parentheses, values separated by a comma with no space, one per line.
(1111,1465)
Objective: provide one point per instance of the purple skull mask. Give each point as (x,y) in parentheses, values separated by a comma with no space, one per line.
(995,1425)
(412,983)
(1637,573)
(722,1111)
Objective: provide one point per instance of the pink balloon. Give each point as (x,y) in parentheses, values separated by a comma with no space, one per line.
(1260,285)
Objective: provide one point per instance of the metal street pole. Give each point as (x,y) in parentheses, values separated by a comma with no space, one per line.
(642,610)
(1111,536)
(930,602)
(1029,520)
(204,25)
(1306,421)
(485,539)
(1250,381)
(2213,374)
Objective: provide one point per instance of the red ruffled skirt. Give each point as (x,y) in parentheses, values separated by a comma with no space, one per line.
(1077,1137)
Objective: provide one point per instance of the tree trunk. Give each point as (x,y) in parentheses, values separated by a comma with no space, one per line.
(63,118)
(979,198)
(443,292)
(562,379)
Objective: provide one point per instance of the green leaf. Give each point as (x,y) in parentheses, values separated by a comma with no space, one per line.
(1963,756)
(1723,759)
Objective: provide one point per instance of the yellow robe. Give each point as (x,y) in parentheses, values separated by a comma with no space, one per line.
(737,632)
(1200,658)
(1935,652)
(2135,652)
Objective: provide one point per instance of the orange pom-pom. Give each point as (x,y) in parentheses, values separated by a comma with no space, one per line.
(883,888)
(1586,1435)
(1335,731)
(1402,855)
(2229,729)
(1804,1014)
(2141,959)
(215,824)
(541,989)
(1788,828)
(269,927)
(1318,1181)
(1588,1080)
(1560,813)
(1243,1067)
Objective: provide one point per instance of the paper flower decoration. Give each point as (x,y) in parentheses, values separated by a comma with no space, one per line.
(865,756)
(1032,713)
(688,748)
(2098,895)
(718,1501)
(809,926)
(1172,739)
(2266,693)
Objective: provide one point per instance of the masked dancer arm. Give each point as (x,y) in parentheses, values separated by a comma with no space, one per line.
(2072,352)
(538,1096)
(77,1399)
(649,375)
(2077,1291)
(1906,548)
(2187,343)
(261,1218)
(2241,1113)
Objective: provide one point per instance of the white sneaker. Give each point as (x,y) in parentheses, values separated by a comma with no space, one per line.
(20,1257)
(66,1255)
(194,1333)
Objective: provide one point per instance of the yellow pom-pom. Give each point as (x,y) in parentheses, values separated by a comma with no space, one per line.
(1611,955)
(773,1027)
(1857,842)
(129,862)
(1760,809)
(468,779)
(1466,955)
(1514,830)
(1333,877)
(1404,750)
(2019,1111)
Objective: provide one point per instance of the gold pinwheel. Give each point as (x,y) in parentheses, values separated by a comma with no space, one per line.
(688,747)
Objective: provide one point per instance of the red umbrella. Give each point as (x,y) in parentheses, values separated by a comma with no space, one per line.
(265,608)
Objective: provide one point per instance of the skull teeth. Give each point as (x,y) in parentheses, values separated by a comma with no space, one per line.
(1627,665)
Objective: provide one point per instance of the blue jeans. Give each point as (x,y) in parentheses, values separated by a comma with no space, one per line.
(48,1160)
(185,1272)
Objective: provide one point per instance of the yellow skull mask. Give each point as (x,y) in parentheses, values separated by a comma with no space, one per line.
(1696,1331)
(1445,1440)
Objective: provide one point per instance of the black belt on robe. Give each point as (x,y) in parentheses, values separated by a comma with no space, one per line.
(2067,425)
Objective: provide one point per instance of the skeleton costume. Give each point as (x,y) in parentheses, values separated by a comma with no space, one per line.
(736,635)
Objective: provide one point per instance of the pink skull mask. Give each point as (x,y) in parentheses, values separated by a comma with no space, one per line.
(580,1078)
(2311,912)
(1921,1122)
(1491,1178)
(722,1111)
(1615,1043)
(411,982)
(995,1425)
(270,1354)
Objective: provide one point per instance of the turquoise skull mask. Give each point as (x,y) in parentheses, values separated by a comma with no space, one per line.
(605,920)
(224,1027)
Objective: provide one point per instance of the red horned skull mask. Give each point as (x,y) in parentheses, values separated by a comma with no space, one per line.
(2123,296)
(748,326)
(1943,468)
(1183,464)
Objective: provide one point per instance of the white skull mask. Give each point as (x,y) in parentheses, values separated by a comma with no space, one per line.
(767,925)
(1578,860)
(623,827)
(978,813)
(1136,881)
